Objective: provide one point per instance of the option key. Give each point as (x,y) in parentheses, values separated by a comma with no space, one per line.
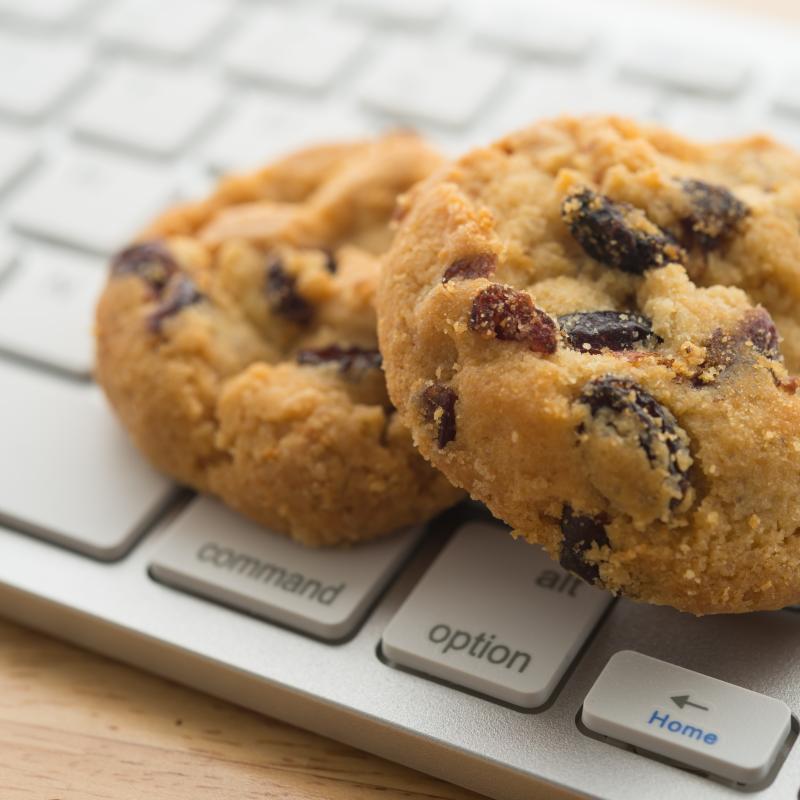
(496,616)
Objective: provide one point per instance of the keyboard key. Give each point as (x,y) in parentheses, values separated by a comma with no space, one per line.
(784,128)
(406,12)
(261,129)
(215,553)
(494,615)
(543,34)
(153,110)
(701,118)
(699,721)
(42,12)
(73,478)
(787,93)
(176,29)
(446,84)
(8,255)
(693,69)
(90,201)
(44,71)
(547,92)
(17,153)
(303,51)
(47,308)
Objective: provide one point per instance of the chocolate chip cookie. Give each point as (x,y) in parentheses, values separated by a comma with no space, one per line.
(592,326)
(236,342)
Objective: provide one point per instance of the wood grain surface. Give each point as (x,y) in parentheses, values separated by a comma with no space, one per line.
(75,726)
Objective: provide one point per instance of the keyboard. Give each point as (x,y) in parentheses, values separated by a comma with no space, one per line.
(452,647)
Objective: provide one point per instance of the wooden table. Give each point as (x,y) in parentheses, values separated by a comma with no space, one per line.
(74,726)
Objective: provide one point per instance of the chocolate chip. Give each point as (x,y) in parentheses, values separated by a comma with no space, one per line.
(439,407)
(623,410)
(579,533)
(349,359)
(283,297)
(150,261)
(511,315)
(179,293)
(594,331)
(755,333)
(715,214)
(617,234)
(479,265)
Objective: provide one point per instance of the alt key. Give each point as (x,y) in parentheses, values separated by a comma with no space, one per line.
(496,616)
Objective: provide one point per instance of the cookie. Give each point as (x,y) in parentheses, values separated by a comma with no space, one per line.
(236,341)
(592,326)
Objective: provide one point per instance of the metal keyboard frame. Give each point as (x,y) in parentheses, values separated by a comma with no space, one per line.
(347,692)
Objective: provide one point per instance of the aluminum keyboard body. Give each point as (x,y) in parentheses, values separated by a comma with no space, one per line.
(347,692)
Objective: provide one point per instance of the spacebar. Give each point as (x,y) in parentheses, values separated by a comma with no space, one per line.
(214,553)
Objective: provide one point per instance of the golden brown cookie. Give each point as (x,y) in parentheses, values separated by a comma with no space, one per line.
(236,342)
(577,326)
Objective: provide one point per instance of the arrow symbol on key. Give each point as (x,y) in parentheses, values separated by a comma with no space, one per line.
(682,700)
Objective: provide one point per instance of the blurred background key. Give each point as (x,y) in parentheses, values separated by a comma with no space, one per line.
(446,85)
(690,66)
(8,255)
(176,28)
(306,51)
(43,72)
(546,33)
(47,308)
(148,109)
(42,12)
(17,153)
(91,201)
(263,128)
(75,479)
(417,12)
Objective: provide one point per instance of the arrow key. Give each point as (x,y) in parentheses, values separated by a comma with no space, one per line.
(697,720)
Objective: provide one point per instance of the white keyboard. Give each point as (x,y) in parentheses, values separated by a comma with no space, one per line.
(454,648)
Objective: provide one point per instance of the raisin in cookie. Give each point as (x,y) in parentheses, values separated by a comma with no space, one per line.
(591,327)
(237,344)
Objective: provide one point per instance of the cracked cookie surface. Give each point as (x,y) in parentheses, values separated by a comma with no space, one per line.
(236,342)
(591,326)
